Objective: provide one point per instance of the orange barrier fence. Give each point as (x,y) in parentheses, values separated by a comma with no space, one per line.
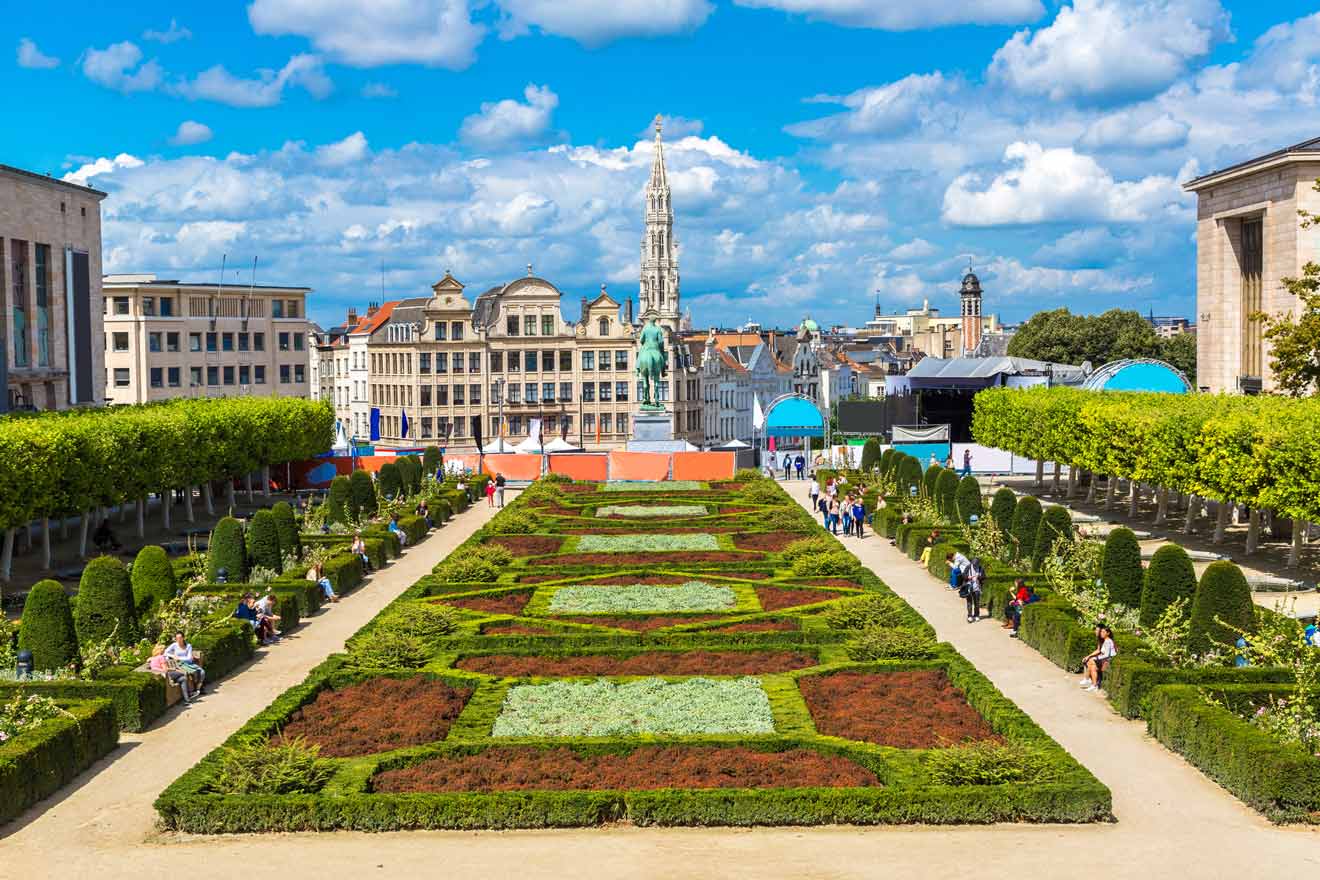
(704,465)
(581,466)
(514,466)
(639,465)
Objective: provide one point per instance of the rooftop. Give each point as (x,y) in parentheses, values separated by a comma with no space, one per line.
(1305,151)
(33,177)
(146,279)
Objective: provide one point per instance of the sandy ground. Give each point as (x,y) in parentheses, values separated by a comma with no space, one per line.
(1173,822)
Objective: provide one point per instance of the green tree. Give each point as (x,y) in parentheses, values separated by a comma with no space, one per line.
(870,454)
(390,480)
(339,500)
(909,475)
(1223,597)
(153,579)
(263,542)
(227,550)
(432,460)
(1120,568)
(1055,523)
(290,540)
(1180,352)
(930,481)
(968,499)
(362,495)
(1026,522)
(415,473)
(47,628)
(1295,339)
(1061,337)
(105,604)
(946,493)
(1001,509)
(1169,577)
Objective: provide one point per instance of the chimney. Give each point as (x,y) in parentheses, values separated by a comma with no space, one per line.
(628,313)
(372,308)
(352,316)
(584,310)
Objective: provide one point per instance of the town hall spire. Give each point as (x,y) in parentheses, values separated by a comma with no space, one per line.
(658,295)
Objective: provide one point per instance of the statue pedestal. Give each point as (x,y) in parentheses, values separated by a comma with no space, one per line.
(653,425)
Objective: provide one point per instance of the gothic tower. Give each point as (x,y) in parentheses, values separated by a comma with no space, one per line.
(971,312)
(658,296)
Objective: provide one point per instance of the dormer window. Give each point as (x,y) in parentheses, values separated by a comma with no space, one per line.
(604,326)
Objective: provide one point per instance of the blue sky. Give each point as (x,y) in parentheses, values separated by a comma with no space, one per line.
(820,151)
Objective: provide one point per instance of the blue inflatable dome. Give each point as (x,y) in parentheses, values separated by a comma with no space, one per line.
(1142,374)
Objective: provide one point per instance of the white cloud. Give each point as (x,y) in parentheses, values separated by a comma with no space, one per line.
(351,149)
(102,166)
(1136,129)
(895,15)
(1011,277)
(172,34)
(916,249)
(378,90)
(595,23)
(879,110)
(1287,57)
(1092,246)
(436,33)
(1058,185)
(191,132)
(1106,49)
(510,122)
(218,84)
(113,67)
(32,57)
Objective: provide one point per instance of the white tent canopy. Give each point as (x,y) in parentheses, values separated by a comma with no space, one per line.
(497,447)
(341,439)
(735,444)
(561,445)
(530,445)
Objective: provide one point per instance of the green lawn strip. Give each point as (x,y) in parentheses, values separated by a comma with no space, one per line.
(790,710)
(662,486)
(694,596)
(646,543)
(639,511)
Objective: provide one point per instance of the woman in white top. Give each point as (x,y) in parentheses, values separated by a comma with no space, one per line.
(181,650)
(1098,661)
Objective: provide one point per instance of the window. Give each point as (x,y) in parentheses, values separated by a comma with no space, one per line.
(173,376)
(212,375)
(474,394)
(244,375)
(495,426)
(565,392)
(605,423)
(300,373)
(167,307)
(565,361)
(425,399)
(529,325)
(529,361)
(229,375)
(589,423)
(511,325)
(588,392)
(211,339)
(531,391)
(497,362)
(258,341)
(515,392)
(277,308)
(284,342)
(622,419)
(440,327)
(157,377)
(227,341)
(474,362)
(621,391)
(548,392)
(424,362)
(621,360)
(547,325)
(456,331)
(292,310)
(244,342)
(195,376)
(547,361)
(515,425)
(121,377)
(153,341)
(149,309)
(120,341)
(515,361)
(284,374)
(121,305)
(298,342)
(605,390)
(457,364)
(194,342)
(426,427)
(442,395)
(172,342)
(441,362)
(588,360)
(458,394)
(604,360)
(604,327)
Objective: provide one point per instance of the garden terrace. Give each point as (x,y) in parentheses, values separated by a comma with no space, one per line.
(644,676)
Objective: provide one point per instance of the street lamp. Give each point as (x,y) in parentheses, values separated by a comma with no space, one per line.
(499,393)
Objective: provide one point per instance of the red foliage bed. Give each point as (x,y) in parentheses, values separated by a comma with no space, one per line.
(776,598)
(647,558)
(509,603)
(649,663)
(528,545)
(378,715)
(641,624)
(915,709)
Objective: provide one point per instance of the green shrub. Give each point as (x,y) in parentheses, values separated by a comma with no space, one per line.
(383,648)
(361,496)
(989,762)
(837,562)
(47,628)
(432,460)
(512,521)
(463,567)
(1026,522)
(1120,568)
(892,643)
(909,475)
(390,480)
(495,554)
(761,492)
(426,622)
(887,462)
(747,475)
(946,492)
(813,546)
(870,454)
(1055,523)
(968,502)
(1223,595)
(228,551)
(339,500)
(37,764)
(263,542)
(284,766)
(413,483)
(287,524)
(1001,509)
(1170,576)
(930,482)
(105,604)
(867,611)
(153,579)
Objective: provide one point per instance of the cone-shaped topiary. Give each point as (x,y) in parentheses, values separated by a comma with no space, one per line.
(968,499)
(909,475)
(432,460)
(1224,595)
(1055,523)
(1120,568)
(338,500)
(390,480)
(415,477)
(153,579)
(870,454)
(227,550)
(946,492)
(930,480)
(1001,509)
(362,494)
(290,541)
(886,462)
(404,464)
(1026,522)
(1169,577)
(47,628)
(263,542)
(105,604)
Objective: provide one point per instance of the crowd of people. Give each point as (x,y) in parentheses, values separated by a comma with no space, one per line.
(839,506)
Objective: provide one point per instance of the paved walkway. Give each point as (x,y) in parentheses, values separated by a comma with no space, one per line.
(1173,822)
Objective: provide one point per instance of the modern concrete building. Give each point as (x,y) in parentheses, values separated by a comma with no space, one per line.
(50,293)
(165,338)
(1248,238)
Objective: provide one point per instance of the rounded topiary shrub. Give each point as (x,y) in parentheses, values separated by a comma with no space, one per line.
(153,579)
(1223,595)
(887,462)
(1026,522)
(1001,509)
(105,604)
(1169,577)
(870,454)
(968,499)
(390,480)
(1120,568)
(909,475)
(1055,523)
(946,492)
(338,499)
(930,480)
(415,473)
(287,523)
(362,496)
(263,542)
(432,460)
(227,551)
(47,628)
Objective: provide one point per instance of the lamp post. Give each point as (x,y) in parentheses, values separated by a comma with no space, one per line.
(499,392)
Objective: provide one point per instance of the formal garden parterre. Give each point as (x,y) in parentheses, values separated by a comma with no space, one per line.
(752,673)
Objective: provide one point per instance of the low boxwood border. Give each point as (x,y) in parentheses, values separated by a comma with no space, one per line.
(41,761)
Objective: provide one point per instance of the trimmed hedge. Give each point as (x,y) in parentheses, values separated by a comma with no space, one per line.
(288,529)
(38,763)
(227,550)
(968,502)
(339,500)
(1001,509)
(870,454)
(1055,523)
(1169,577)
(105,604)
(1223,595)
(138,697)
(432,460)
(1132,679)
(946,493)
(263,542)
(47,628)
(909,475)
(1121,568)
(1026,522)
(390,480)
(153,579)
(361,496)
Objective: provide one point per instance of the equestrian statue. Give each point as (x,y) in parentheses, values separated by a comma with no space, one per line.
(651,364)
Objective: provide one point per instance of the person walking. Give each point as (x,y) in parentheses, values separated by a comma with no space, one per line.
(499,490)
(813,491)
(967,463)
(490,493)
(859,515)
(800,464)
(845,510)
(832,515)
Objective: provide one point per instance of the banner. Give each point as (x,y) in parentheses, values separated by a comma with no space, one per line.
(921,434)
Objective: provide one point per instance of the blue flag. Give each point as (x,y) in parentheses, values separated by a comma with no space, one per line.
(403,423)
(375,424)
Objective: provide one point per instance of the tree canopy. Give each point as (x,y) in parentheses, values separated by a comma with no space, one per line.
(1061,337)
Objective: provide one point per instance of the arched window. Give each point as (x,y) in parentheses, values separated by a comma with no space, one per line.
(604,326)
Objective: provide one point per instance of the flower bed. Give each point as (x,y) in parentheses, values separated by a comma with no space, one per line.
(651,706)
(663,486)
(378,715)
(777,598)
(691,596)
(649,663)
(646,543)
(638,511)
(643,624)
(915,709)
(522,768)
(528,545)
(509,603)
(641,558)
(772,541)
